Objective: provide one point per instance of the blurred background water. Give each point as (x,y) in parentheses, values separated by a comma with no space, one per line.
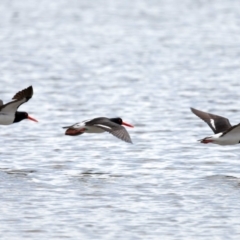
(146,61)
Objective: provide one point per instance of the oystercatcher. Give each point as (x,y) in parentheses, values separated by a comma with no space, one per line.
(225,133)
(99,125)
(8,111)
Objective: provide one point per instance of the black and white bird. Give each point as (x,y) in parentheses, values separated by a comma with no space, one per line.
(225,133)
(100,125)
(8,111)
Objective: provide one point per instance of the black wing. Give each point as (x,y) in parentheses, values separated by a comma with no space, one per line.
(115,129)
(20,98)
(216,123)
(94,121)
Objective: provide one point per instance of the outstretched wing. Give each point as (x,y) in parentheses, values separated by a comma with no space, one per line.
(216,123)
(115,129)
(19,98)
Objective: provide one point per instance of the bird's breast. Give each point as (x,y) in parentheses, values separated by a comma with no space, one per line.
(6,119)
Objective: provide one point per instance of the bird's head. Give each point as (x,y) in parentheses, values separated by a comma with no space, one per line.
(119,121)
(19,116)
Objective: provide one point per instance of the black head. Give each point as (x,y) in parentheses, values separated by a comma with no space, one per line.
(117,120)
(120,122)
(19,116)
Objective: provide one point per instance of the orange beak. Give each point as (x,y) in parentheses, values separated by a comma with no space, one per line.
(127,124)
(33,119)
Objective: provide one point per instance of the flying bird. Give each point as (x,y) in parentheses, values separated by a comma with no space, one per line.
(8,111)
(224,132)
(100,125)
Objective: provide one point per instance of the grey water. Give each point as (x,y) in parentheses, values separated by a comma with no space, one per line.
(146,61)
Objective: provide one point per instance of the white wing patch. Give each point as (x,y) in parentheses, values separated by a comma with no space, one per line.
(212,123)
(103,126)
(217,135)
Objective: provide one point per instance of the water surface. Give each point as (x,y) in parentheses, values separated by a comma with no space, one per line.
(147,62)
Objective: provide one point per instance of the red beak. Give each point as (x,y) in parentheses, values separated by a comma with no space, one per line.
(127,124)
(33,119)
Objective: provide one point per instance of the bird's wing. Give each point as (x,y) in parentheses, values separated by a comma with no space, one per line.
(89,122)
(19,98)
(94,121)
(115,129)
(216,123)
(76,125)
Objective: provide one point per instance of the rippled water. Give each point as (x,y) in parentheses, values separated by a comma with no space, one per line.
(146,61)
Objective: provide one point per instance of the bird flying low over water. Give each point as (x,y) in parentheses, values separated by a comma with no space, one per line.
(8,111)
(225,133)
(99,125)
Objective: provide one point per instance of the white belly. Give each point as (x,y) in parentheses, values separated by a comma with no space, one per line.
(228,139)
(94,130)
(6,119)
